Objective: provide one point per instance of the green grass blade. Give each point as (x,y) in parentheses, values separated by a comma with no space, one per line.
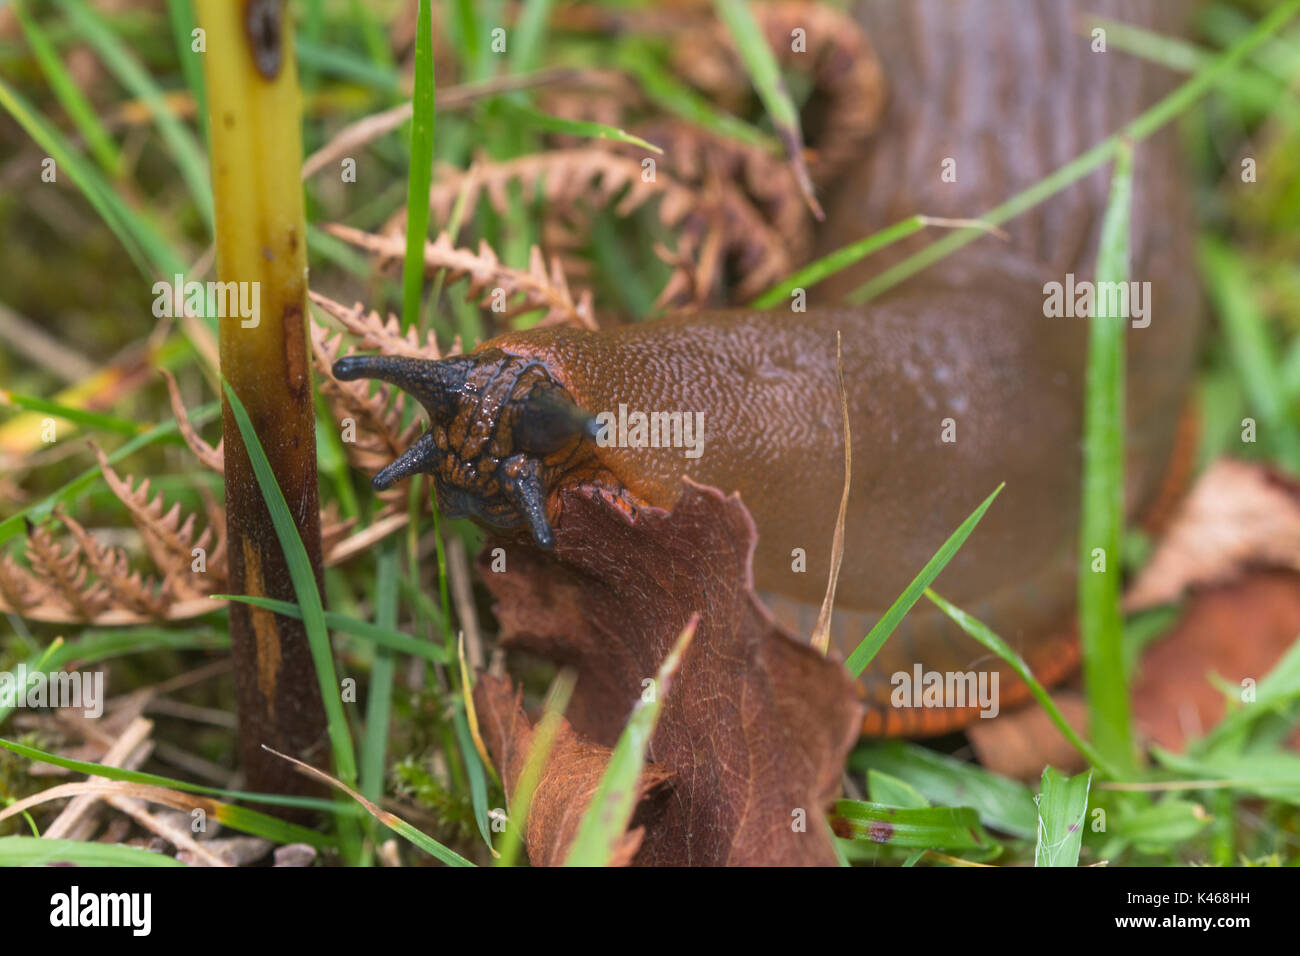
(468,36)
(862,655)
(925,828)
(15,523)
(1226,23)
(32,851)
(528,34)
(121,62)
(420,177)
(841,258)
(426,608)
(1062,807)
(1161,828)
(1140,128)
(1101,532)
(79,416)
(304,585)
(373,34)
(1002,803)
(146,247)
(385,637)
(980,631)
(890,791)
(543,739)
(1271,774)
(345,65)
(1258,90)
(379,696)
(1278,689)
(845,256)
(239,818)
(69,95)
(766,76)
(395,823)
(477,774)
(183,22)
(1254,356)
(545,122)
(153,779)
(674,96)
(605,823)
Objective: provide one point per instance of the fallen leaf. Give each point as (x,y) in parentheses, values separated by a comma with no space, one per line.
(758,725)
(294,854)
(1231,552)
(1235,631)
(569,779)
(1232,631)
(1237,516)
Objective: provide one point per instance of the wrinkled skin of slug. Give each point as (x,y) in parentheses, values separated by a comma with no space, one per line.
(1010,91)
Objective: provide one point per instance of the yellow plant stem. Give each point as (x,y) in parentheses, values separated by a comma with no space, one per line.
(255,115)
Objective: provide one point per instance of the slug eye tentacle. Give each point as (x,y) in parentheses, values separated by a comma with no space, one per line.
(549,420)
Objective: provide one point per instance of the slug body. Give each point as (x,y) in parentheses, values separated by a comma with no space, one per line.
(956,380)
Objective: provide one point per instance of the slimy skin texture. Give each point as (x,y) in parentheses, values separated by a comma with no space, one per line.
(1010,91)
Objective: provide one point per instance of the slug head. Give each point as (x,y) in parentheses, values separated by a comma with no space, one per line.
(501,431)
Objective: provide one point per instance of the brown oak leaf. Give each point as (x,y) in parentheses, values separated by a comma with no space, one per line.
(569,778)
(757,726)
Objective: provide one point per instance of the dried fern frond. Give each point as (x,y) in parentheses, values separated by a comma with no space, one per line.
(168,535)
(507,291)
(80,580)
(334,530)
(373,332)
(85,582)
(848,80)
(19,588)
(591,177)
(127,588)
(371,423)
(213,458)
(216,515)
(718,257)
(68,578)
(561,178)
(761,179)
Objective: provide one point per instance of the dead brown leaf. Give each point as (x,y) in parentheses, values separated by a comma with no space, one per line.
(1232,551)
(569,780)
(1234,631)
(1238,515)
(758,724)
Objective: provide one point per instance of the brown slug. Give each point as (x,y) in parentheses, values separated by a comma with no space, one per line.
(957,380)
